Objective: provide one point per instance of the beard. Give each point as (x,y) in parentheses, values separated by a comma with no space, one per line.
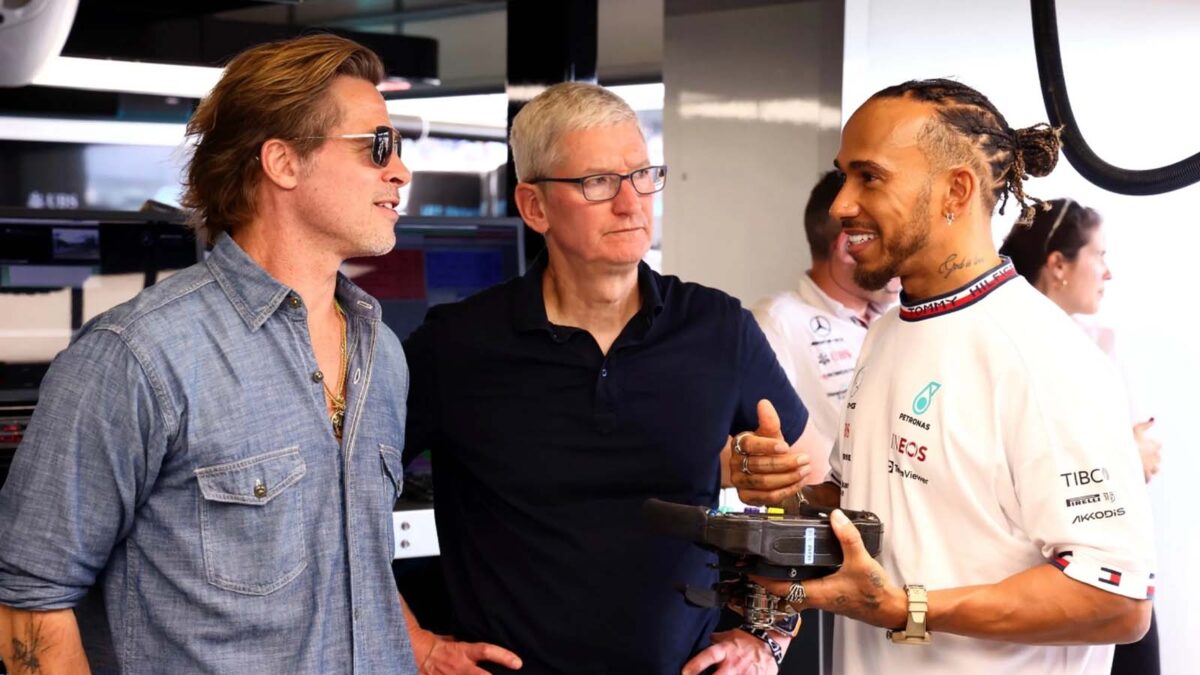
(908,241)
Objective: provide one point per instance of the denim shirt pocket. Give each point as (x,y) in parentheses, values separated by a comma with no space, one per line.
(252,522)
(393,472)
(393,483)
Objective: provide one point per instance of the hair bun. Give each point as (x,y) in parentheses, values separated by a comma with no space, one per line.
(1039,146)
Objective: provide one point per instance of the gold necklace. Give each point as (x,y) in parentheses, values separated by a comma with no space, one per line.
(337,401)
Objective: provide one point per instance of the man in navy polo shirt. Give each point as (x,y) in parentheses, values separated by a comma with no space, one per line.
(557,403)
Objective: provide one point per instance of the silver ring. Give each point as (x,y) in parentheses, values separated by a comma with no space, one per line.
(796,595)
(746,465)
(737,443)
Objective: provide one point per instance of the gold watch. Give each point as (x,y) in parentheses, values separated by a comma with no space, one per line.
(914,632)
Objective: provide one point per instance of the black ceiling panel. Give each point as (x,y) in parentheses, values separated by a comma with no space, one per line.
(186,32)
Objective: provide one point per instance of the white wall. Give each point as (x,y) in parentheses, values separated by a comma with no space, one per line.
(1128,73)
(751,118)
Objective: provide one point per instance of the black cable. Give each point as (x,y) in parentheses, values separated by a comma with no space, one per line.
(1075,148)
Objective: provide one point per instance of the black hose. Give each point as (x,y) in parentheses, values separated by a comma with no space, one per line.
(1078,152)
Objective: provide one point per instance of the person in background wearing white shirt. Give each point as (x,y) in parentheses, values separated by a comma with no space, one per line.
(817,329)
(1061,253)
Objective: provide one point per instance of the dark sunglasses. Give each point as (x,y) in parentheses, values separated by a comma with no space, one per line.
(384,141)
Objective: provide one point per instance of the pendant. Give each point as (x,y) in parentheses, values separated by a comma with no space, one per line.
(337,419)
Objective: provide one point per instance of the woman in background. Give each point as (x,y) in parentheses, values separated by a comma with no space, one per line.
(1062,255)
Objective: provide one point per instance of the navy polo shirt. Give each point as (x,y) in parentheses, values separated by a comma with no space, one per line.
(544,450)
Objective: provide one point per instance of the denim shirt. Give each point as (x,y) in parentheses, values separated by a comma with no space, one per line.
(181,457)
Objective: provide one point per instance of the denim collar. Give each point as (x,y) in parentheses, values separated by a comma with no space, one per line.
(256,295)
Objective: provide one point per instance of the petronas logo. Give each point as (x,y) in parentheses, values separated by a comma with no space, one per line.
(924,399)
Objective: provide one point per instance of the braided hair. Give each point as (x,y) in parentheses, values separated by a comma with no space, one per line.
(968,129)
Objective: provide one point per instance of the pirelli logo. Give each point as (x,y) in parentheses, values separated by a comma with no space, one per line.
(1086,499)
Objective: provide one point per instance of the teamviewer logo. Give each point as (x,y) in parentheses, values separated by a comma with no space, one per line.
(924,398)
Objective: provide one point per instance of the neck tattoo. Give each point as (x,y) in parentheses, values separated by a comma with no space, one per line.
(953,264)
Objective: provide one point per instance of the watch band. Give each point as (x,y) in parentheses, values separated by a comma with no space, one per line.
(914,632)
(787,625)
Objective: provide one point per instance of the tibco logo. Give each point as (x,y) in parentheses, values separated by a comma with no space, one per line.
(1087,477)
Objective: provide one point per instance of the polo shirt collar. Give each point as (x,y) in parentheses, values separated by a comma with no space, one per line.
(812,294)
(529,307)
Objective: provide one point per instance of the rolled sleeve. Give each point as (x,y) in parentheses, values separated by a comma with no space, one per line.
(95,441)
(1079,483)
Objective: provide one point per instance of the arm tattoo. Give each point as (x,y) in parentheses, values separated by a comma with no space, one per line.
(871,601)
(25,654)
(953,264)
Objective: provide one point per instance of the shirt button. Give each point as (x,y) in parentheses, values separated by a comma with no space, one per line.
(356,614)
(260,489)
(294,301)
(604,372)
(318,376)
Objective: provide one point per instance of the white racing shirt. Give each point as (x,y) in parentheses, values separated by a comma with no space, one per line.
(990,436)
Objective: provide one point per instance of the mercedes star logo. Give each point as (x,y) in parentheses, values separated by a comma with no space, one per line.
(820,326)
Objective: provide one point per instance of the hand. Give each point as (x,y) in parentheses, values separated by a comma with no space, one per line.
(776,471)
(860,590)
(735,652)
(1149,449)
(447,656)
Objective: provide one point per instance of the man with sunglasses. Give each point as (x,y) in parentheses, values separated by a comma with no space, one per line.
(219,456)
(557,403)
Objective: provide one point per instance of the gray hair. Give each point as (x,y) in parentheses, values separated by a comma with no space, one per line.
(560,109)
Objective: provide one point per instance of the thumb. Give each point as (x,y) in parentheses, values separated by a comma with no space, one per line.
(1143,426)
(483,651)
(768,421)
(848,535)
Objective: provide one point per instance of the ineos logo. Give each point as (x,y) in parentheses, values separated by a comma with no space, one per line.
(909,447)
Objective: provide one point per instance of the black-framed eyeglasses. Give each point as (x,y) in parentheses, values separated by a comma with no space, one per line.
(601,187)
(384,141)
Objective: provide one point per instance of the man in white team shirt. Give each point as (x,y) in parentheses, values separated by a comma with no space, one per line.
(817,329)
(981,426)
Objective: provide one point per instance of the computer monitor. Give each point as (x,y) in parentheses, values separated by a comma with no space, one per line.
(439,260)
(98,176)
